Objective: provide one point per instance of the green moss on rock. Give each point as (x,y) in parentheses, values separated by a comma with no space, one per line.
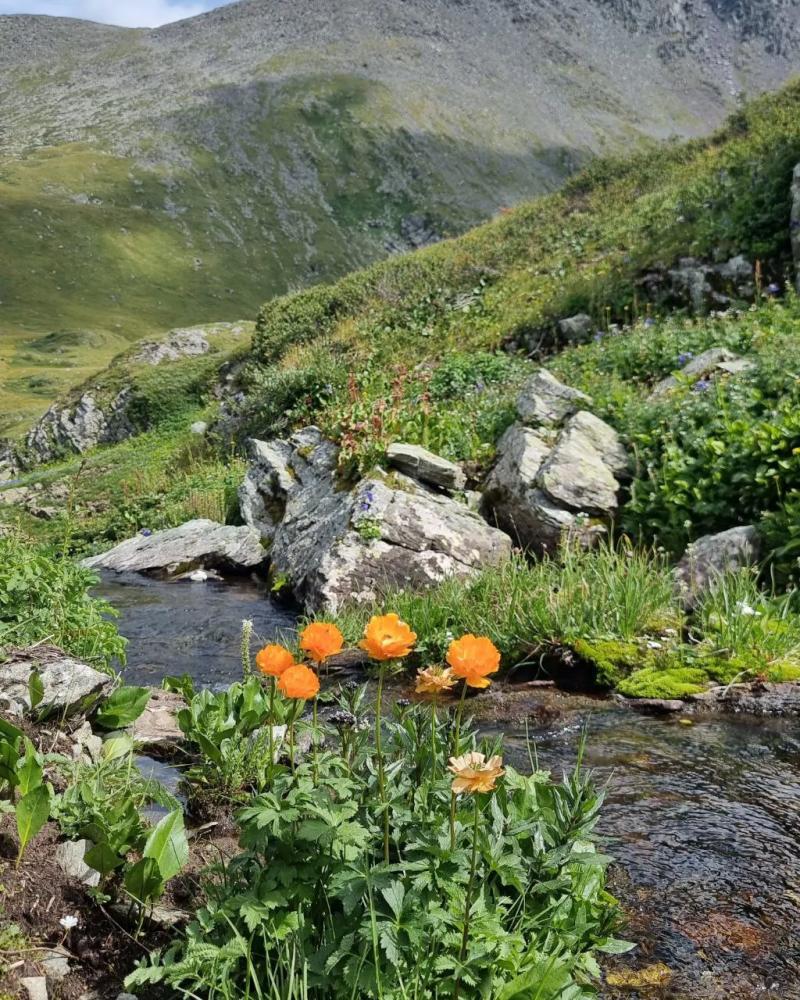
(672,682)
(612,658)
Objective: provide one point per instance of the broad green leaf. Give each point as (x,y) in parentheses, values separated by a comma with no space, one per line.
(167,845)
(124,706)
(119,745)
(35,689)
(32,812)
(9,733)
(29,770)
(143,881)
(103,858)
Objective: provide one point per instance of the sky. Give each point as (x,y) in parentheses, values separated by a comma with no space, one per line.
(131,13)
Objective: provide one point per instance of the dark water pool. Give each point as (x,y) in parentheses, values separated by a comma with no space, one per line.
(703,819)
(185,627)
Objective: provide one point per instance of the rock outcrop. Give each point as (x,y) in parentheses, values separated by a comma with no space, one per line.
(559,477)
(335,542)
(697,285)
(423,465)
(795,224)
(714,361)
(78,427)
(186,343)
(710,556)
(70,686)
(198,544)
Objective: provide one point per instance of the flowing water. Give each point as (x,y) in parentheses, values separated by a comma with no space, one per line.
(703,818)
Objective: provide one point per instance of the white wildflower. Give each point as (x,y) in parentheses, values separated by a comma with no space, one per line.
(745,609)
(69,922)
(652,644)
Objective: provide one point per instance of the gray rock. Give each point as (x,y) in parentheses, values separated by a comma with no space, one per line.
(604,440)
(710,556)
(738,271)
(795,223)
(56,966)
(187,343)
(654,706)
(690,283)
(86,746)
(35,986)
(715,359)
(197,544)
(546,401)
(80,426)
(199,427)
(576,476)
(576,328)
(755,698)
(70,687)
(157,726)
(423,465)
(70,859)
(336,544)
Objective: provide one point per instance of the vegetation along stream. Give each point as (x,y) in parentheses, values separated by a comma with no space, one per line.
(702,816)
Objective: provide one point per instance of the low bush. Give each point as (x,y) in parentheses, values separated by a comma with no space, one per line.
(46,598)
(372,869)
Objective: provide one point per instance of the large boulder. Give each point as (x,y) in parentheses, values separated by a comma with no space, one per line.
(576,328)
(198,544)
(425,466)
(795,223)
(712,555)
(336,542)
(559,479)
(70,686)
(186,343)
(544,401)
(77,427)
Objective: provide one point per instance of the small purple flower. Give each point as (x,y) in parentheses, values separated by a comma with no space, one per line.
(364,505)
(685,358)
(701,386)
(598,336)
(773,289)
(649,322)
(146,532)
(480,386)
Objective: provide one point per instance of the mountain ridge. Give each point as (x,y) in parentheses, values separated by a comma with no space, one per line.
(154,178)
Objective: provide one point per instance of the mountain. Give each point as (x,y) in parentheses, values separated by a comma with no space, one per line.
(150,179)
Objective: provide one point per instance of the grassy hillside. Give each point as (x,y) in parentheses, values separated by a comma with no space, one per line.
(151,179)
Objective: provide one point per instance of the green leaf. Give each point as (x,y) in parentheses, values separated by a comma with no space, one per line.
(124,706)
(119,745)
(143,881)
(32,812)
(614,946)
(35,689)
(103,858)
(10,734)
(167,845)
(29,770)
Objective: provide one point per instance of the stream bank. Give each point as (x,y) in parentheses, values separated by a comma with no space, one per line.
(702,815)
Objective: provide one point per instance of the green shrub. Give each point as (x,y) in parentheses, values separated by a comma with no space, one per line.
(497,894)
(44,598)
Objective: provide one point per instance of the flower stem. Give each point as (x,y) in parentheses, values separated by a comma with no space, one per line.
(314,743)
(455,753)
(379,752)
(291,745)
(271,724)
(470,889)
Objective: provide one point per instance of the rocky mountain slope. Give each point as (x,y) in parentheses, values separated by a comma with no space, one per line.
(150,179)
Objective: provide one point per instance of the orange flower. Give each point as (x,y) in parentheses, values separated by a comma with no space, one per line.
(474,773)
(321,640)
(435,681)
(387,638)
(274,660)
(472,658)
(299,681)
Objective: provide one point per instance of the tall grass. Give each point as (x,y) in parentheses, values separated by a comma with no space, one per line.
(611,592)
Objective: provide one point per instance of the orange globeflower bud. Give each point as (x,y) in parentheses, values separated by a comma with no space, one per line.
(299,681)
(321,640)
(387,638)
(274,660)
(473,658)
